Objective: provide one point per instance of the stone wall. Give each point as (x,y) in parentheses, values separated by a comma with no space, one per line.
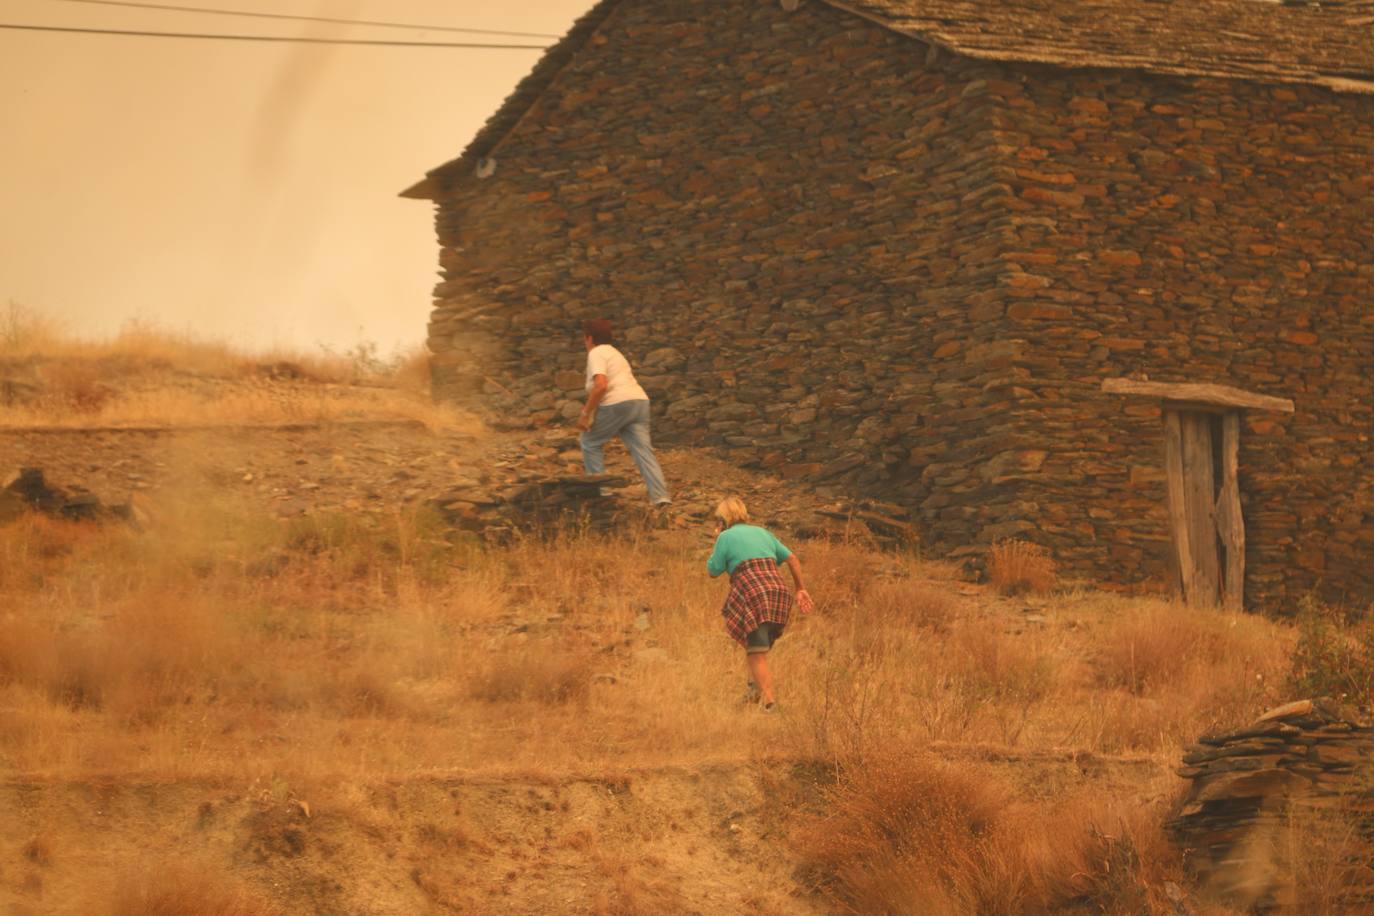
(1212,231)
(852,259)
(1297,784)
(794,231)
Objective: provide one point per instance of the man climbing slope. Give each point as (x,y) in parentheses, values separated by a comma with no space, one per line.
(616,406)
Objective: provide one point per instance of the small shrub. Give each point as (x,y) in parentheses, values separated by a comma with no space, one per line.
(1019,566)
(1334,656)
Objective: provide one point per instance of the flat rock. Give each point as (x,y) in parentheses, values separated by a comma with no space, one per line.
(1296,708)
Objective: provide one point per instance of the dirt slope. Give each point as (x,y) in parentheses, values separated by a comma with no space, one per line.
(710,839)
(713,837)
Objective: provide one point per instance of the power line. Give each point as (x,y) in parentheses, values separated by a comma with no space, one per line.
(275,38)
(253,15)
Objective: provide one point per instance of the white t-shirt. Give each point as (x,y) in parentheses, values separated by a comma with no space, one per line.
(606,360)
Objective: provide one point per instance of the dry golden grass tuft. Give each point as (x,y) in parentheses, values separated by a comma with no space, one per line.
(39,850)
(1321,854)
(550,676)
(907,833)
(1017,566)
(631,885)
(175,889)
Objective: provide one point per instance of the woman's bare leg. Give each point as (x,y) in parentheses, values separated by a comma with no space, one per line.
(759,671)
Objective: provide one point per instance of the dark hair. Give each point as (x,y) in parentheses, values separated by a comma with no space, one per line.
(599,330)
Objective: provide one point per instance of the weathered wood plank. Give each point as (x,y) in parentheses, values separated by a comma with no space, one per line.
(1216,395)
(1230,523)
(1178,517)
(1199,496)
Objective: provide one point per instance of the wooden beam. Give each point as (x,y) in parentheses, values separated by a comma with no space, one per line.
(1230,524)
(1216,395)
(1178,517)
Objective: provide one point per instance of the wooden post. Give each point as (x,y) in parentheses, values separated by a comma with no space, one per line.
(1230,523)
(1178,516)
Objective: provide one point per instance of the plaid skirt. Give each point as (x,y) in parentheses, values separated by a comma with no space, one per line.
(758,595)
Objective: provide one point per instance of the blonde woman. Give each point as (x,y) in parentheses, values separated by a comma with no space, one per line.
(759,605)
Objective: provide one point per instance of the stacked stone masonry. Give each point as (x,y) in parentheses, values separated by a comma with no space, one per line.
(851,257)
(1299,780)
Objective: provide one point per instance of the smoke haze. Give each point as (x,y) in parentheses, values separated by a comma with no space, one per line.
(238,190)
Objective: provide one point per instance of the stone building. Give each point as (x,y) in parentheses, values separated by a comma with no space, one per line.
(897,247)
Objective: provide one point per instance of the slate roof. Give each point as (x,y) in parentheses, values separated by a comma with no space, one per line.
(1328,43)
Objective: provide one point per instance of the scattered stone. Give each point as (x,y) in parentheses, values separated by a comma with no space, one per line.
(535,504)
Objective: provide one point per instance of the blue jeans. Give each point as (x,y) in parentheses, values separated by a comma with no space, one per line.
(630,421)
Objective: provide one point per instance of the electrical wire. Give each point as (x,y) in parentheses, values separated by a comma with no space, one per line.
(253,15)
(274,38)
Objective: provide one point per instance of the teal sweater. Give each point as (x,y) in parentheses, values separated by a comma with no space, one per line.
(738,543)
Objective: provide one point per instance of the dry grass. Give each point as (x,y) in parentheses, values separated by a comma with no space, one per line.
(551,675)
(174,889)
(332,644)
(1018,566)
(220,640)
(39,850)
(145,376)
(1320,856)
(907,833)
(28,336)
(630,885)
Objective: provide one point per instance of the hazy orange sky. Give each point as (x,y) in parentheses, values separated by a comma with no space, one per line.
(242,191)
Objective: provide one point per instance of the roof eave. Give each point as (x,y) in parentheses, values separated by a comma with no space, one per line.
(424,189)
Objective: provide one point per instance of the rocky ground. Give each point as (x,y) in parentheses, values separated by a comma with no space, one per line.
(476,478)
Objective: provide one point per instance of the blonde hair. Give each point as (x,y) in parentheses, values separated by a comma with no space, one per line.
(731,511)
